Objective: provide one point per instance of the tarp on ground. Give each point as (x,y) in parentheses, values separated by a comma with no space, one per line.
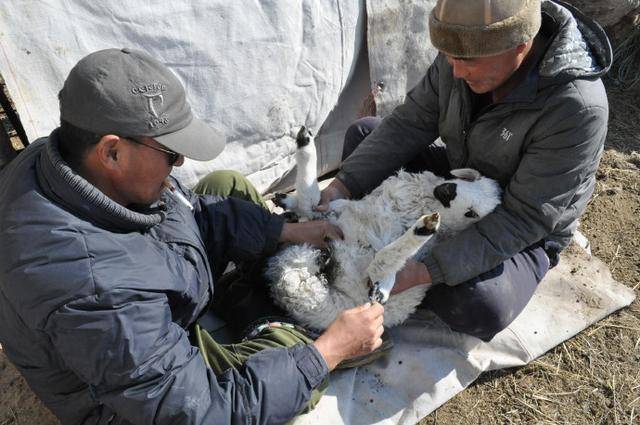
(429,363)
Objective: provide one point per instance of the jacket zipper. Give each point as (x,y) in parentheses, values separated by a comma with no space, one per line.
(468,126)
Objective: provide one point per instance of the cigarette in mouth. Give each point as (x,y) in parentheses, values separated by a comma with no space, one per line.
(179,197)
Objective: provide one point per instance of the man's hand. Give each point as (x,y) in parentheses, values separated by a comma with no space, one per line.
(355,332)
(335,190)
(413,273)
(316,233)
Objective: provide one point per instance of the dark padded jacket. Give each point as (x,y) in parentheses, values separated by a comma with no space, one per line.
(542,142)
(95,299)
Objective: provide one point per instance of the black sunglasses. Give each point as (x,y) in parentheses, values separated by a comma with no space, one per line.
(172,157)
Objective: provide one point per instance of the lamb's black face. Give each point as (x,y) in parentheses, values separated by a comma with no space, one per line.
(445,193)
(303,137)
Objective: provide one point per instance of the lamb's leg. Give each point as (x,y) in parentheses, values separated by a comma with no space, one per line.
(307,193)
(389,260)
(307,175)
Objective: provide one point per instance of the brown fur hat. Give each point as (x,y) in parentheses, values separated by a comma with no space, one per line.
(477,28)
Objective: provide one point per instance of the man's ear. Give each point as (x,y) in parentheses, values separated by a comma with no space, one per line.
(523,49)
(108,152)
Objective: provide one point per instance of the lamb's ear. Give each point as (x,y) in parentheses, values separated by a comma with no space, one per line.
(468,174)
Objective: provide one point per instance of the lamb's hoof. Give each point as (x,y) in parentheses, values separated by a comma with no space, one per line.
(375,295)
(280,199)
(304,137)
(427,225)
(327,264)
(325,257)
(290,217)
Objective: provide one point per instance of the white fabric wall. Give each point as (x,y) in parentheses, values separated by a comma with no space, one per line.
(255,69)
(400,50)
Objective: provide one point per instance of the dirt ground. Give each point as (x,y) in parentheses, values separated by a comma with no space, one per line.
(592,378)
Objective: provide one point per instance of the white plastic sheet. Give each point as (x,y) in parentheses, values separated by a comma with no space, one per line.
(430,363)
(255,69)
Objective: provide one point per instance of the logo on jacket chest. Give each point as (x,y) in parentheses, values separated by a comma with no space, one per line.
(506,134)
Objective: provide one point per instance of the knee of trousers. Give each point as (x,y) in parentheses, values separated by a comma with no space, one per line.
(357,132)
(487,304)
(473,310)
(486,323)
(221,180)
(229,183)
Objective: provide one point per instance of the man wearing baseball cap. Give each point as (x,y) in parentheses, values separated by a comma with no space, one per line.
(514,93)
(104,276)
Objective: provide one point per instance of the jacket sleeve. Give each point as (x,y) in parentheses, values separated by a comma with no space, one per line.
(140,364)
(410,128)
(236,230)
(556,173)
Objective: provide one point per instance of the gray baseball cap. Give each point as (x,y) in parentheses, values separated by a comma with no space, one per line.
(126,92)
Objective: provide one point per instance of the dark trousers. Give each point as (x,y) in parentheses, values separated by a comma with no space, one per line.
(488,303)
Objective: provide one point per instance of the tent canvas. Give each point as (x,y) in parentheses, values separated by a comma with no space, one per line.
(257,71)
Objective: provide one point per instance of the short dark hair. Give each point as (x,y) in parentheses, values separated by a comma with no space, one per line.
(74,143)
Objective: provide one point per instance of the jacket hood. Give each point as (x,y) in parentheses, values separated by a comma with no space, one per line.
(579,49)
(66,187)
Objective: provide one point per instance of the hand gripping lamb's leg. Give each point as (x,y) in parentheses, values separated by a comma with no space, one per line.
(307,194)
(390,259)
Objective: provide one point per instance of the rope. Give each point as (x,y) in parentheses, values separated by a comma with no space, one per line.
(626,61)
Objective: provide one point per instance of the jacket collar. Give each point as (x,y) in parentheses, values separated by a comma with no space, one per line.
(66,187)
(522,86)
(579,47)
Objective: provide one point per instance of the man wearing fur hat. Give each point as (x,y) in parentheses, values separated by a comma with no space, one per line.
(108,264)
(515,93)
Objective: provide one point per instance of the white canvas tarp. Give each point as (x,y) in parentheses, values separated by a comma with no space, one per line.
(256,70)
(400,50)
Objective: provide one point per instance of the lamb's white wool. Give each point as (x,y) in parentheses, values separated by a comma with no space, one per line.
(315,294)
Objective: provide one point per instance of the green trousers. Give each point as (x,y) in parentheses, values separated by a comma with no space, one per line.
(221,357)
(229,183)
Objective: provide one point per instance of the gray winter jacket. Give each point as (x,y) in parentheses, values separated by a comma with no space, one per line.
(542,142)
(95,299)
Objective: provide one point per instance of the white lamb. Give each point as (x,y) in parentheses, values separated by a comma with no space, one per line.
(381,231)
